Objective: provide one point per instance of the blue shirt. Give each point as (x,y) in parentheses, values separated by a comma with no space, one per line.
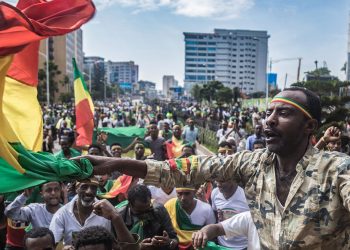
(250,141)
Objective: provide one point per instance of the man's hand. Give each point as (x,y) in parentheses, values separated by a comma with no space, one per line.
(99,163)
(68,247)
(161,241)
(28,192)
(105,209)
(146,244)
(332,134)
(199,239)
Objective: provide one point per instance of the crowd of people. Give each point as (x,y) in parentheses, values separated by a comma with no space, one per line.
(158,193)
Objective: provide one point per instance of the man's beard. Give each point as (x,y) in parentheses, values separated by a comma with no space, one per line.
(87,203)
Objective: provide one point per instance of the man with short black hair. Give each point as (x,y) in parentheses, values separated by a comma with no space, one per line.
(78,213)
(297,195)
(38,214)
(149,220)
(256,136)
(95,237)
(258,144)
(66,150)
(188,214)
(155,142)
(40,238)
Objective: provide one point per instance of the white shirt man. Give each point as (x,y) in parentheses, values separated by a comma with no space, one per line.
(65,225)
(227,208)
(160,196)
(242,225)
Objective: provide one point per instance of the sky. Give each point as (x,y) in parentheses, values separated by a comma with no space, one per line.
(150,32)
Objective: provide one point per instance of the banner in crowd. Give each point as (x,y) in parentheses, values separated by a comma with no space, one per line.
(123,135)
(260,103)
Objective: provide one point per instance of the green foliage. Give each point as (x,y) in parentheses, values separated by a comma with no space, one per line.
(213,91)
(66,97)
(53,73)
(196,92)
(334,109)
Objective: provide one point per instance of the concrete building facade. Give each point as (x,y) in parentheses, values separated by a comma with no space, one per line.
(237,58)
(125,74)
(169,81)
(61,51)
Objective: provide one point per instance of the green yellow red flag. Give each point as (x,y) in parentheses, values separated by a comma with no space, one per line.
(84,109)
(21,29)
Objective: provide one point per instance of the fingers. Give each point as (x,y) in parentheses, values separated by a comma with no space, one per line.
(198,239)
(147,240)
(165,234)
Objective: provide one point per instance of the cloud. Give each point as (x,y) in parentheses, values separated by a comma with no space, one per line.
(223,9)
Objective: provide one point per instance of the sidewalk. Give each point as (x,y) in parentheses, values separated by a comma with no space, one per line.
(202,150)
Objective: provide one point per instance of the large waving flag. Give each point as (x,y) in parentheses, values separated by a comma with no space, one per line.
(21,29)
(84,109)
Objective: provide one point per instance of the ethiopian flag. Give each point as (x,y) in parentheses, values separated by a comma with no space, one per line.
(84,109)
(120,186)
(21,29)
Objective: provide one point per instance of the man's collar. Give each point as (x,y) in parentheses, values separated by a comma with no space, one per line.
(268,157)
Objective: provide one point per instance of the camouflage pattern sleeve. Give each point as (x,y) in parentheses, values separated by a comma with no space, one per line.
(343,179)
(198,169)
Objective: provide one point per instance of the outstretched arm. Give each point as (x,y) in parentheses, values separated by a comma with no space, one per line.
(195,170)
(106,165)
(209,232)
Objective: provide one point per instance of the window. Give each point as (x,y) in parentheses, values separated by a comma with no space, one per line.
(211,49)
(190,77)
(191,48)
(211,54)
(191,42)
(202,49)
(191,54)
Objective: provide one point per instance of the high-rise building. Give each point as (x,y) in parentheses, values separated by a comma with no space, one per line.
(348,62)
(125,74)
(61,51)
(169,82)
(237,58)
(147,89)
(94,75)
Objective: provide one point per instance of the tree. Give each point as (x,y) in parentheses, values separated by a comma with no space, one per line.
(224,95)
(196,93)
(333,104)
(53,73)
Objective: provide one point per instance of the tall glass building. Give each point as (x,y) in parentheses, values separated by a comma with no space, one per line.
(237,58)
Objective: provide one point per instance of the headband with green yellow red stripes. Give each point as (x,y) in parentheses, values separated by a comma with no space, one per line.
(294,103)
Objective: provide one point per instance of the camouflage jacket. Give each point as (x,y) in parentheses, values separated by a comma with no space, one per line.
(316,212)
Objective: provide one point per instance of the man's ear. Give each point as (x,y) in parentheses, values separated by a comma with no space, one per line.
(311,126)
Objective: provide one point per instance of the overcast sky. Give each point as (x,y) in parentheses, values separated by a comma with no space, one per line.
(149,32)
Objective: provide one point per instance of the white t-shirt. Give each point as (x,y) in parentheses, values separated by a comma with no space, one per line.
(64,223)
(160,196)
(236,204)
(202,214)
(242,224)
